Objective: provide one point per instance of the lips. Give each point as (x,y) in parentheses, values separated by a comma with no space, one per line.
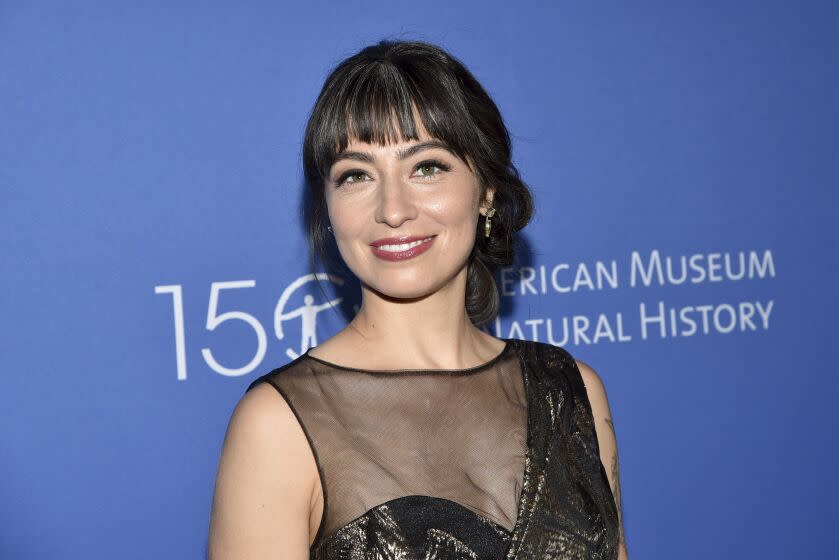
(421,245)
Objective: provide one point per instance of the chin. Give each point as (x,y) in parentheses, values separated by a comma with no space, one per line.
(400,289)
(406,294)
(405,284)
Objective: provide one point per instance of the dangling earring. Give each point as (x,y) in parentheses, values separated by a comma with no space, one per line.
(329,228)
(490,213)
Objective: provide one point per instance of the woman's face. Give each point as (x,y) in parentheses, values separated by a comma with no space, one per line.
(410,189)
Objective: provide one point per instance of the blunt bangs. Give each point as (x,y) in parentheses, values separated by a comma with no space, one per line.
(379,104)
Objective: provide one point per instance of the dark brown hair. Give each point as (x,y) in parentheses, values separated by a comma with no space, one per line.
(391,78)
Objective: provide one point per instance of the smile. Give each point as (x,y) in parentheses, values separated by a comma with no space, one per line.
(402,251)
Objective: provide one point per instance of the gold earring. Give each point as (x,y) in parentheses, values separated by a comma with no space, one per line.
(490,213)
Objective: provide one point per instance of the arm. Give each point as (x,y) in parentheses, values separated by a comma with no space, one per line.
(607,441)
(264,483)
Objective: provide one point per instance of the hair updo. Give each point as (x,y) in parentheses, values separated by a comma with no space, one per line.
(392,79)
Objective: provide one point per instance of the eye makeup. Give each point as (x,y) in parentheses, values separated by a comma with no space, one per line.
(443,167)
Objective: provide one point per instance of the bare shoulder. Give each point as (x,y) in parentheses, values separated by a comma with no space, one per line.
(264,482)
(606,438)
(595,388)
(600,410)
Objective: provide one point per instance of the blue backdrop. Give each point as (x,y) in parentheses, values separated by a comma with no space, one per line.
(683,158)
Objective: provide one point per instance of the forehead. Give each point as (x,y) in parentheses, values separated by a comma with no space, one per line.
(386,141)
(393,147)
(393,140)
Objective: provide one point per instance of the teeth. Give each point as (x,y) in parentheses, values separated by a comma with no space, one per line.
(403,246)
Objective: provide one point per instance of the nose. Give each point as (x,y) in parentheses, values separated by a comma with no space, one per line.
(395,203)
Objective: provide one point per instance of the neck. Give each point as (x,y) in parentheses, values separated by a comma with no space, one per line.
(434,328)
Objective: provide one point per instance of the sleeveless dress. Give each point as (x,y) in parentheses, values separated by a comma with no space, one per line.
(498,461)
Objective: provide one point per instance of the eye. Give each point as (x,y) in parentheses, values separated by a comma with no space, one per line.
(428,164)
(431,163)
(351,173)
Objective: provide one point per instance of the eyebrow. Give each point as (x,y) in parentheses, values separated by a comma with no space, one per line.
(402,154)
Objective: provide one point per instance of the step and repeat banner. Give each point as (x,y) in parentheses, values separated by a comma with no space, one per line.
(682,157)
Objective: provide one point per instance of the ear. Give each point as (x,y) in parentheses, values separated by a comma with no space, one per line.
(487,204)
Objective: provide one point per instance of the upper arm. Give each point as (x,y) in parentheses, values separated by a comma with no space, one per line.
(264,483)
(606,437)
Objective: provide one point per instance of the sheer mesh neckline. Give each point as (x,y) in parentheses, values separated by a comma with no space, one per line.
(461,371)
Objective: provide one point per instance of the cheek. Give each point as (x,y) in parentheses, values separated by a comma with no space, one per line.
(454,212)
(455,221)
(345,219)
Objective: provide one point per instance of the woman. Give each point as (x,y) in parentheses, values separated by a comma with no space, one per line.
(412,433)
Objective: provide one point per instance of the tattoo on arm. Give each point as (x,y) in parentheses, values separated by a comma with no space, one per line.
(616,483)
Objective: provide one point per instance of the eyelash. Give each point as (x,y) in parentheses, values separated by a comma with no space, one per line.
(429,162)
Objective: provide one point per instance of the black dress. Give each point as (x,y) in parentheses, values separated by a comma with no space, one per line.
(499,461)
